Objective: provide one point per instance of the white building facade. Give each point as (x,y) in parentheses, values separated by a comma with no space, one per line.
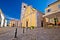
(3,22)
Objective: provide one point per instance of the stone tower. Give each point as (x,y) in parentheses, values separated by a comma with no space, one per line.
(23,9)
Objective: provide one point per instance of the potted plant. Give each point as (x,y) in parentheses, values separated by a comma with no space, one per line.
(32,27)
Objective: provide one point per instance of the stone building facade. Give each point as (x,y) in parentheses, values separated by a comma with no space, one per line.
(30,16)
(3,21)
(52,13)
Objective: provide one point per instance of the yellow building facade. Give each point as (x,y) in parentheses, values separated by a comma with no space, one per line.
(29,19)
(13,23)
(52,12)
(29,16)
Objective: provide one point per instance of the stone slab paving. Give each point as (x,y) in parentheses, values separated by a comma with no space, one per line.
(41,34)
(35,34)
(7,35)
(5,29)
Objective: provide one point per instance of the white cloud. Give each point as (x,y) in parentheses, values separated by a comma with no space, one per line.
(10,18)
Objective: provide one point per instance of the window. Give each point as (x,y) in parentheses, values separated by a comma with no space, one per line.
(48,10)
(59,6)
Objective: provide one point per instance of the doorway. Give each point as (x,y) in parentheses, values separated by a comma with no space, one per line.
(27,24)
(41,23)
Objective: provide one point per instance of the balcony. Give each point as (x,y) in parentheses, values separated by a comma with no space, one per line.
(53,13)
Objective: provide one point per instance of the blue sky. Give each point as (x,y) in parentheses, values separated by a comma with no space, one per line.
(12,8)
